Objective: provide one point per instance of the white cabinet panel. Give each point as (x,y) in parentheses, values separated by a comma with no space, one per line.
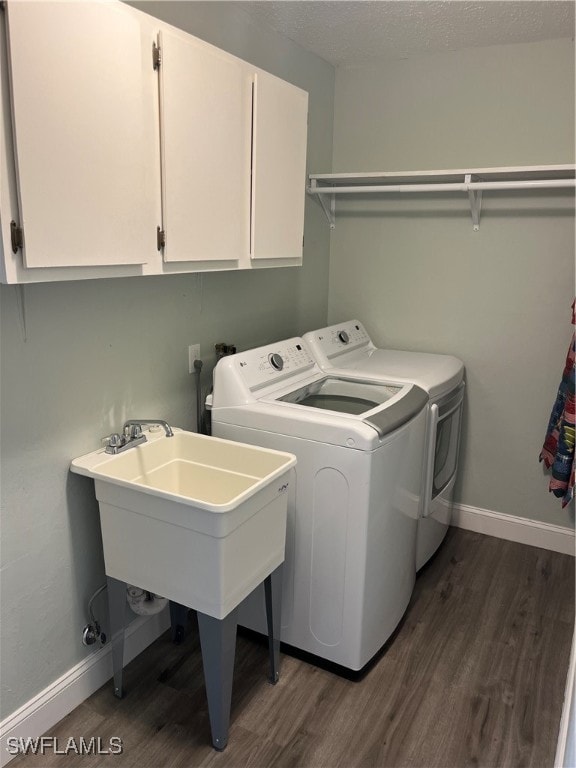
(205,114)
(83,119)
(279,168)
(98,148)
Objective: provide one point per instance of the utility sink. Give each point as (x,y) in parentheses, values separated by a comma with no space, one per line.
(197,519)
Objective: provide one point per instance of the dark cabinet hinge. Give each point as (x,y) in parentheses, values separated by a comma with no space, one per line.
(156,56)
(16,236)
(160,238)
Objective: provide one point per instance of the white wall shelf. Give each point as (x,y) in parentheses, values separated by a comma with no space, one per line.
(471,182)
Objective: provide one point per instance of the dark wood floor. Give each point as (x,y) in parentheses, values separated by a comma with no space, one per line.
(474,677)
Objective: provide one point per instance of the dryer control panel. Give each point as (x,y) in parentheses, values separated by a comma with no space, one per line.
(339,339)
(267,365)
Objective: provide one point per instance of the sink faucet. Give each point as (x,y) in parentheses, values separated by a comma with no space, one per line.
(132,435)
(133,426)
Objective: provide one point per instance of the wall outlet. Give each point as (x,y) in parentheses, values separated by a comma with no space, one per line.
(193,354)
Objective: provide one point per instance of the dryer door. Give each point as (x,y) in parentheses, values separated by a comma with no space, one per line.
(445,421)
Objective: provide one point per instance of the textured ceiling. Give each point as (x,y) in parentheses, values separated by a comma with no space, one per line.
(345,32)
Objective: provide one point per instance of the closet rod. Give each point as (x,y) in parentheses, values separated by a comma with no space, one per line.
(449,187)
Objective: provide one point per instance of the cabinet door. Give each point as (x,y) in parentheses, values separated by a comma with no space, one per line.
(279,168)
(205,119)
(83,119)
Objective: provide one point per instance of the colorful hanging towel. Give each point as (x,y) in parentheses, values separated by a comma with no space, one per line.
(558,450)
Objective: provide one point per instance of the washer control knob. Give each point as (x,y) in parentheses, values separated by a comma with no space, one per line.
(276,361)
(343,336)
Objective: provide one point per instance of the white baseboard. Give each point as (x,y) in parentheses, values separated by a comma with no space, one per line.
(65,694)
(532,532)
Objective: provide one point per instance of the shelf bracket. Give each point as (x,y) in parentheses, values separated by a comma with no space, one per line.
(475,199)
(329,211)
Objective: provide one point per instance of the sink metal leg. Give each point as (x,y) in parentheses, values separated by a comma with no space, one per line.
(218,643)
(117,613)
(273,595)
(178,621)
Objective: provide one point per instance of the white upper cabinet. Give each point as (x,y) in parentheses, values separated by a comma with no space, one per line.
(129,147)
(84,139)
(205,133)
(279,168)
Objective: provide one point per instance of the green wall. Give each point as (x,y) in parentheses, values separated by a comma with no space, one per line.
(414,271)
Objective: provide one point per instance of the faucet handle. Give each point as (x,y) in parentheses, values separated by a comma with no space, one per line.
(134,431)
(115,440)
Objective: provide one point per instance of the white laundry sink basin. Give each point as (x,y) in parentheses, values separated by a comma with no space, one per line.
(197,519)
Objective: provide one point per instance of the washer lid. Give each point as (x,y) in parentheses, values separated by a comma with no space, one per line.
(361,398)
(344,395)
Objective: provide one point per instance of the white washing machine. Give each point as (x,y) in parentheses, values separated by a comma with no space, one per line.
(354,503)
(347,348)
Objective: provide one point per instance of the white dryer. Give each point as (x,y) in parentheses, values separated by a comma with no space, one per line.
(347,348)
(353,508)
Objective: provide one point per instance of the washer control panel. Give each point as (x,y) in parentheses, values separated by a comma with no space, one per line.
(266,365)
(339,339)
